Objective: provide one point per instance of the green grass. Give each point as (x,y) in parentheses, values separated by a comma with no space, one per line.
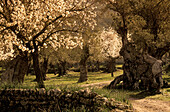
(167,77)
(117,94)
(71,79)
(69,82)
(119,66)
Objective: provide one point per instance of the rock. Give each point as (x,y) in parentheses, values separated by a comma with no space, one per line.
(57,91)
(74,95)
(121,106)
(92,95)
(85,101)
(81,92)
(87,90)
(50,92)
(129,110)
(41,100)
(23,103)
(68,95)
(17,91)
(86,93)
(42,91)
(27,93)
(11,103)
(117,110)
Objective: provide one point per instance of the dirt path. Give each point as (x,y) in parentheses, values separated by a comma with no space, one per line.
(150,105)
(140,105)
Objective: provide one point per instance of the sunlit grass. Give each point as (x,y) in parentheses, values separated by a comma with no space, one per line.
(165,95)
(69,82)
(72,78)
(119,66)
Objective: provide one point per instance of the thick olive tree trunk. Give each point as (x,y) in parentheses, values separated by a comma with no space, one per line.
(140,71)
(15,70)
(83,64)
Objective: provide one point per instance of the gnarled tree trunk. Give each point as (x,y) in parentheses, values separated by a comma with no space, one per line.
(15,70)
(140,71)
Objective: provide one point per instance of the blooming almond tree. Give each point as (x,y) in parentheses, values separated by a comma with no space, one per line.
(111,45)
(32,24)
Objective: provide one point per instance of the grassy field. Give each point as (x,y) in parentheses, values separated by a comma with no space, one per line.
(69,82)
(71,79)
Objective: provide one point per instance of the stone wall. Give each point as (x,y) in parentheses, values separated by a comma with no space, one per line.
(55,100)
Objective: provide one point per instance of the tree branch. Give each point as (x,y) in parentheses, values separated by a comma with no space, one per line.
(46,26)
(50,34)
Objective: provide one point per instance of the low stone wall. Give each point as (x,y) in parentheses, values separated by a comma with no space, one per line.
(55,100)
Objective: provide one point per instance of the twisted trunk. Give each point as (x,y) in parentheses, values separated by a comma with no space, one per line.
(140,71)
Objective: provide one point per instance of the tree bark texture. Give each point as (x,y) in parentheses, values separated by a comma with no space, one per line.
(44,68)
(83,70)
(15,70)
(38,72)
(83,64)
(140,71)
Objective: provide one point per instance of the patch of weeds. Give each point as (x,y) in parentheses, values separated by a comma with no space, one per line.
(15,86)
(119,95)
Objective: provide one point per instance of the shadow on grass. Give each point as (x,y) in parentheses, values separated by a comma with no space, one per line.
(143,94)
(168,90)
(167,79)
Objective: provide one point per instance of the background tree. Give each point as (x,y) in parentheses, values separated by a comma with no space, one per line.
(110,47)
(87,38)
